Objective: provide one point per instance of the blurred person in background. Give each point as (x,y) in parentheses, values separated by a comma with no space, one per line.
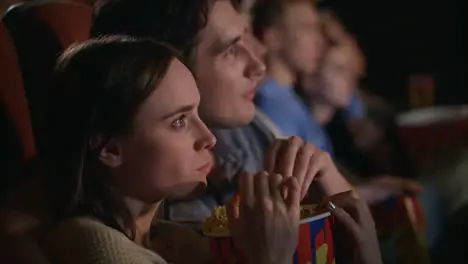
(367,119)
(292,34)
(331,92)
(342,67)
(332,96)
(335,32)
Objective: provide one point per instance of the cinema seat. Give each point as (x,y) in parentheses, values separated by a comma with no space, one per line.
(41,30)
(16,135)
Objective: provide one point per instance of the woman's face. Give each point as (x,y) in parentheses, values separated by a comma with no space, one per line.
(167,155)
(338,77)
(332,26)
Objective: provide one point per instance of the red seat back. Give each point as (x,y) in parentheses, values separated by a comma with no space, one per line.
(41,31)
(16,140)
(69,21)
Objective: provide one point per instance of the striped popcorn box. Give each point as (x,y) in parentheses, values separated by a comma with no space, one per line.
(315,244)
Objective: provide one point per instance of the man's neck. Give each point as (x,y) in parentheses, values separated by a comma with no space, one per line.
(280,72)
(142,215)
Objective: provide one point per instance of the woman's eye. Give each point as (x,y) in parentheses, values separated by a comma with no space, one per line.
(180,122)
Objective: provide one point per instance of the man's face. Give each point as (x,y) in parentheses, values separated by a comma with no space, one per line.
(227,68)
(299,37)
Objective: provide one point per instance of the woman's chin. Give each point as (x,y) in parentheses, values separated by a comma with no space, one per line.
(187,191)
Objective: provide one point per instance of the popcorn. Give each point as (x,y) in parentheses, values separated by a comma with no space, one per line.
(217,223)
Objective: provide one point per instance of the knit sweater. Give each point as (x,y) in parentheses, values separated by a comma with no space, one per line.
(87,241)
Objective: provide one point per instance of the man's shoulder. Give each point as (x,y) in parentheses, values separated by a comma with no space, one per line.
(240,138)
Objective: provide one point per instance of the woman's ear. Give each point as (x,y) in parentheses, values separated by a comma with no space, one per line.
(110,154)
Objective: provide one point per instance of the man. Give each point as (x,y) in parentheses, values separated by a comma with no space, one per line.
(215,43)
(290,30)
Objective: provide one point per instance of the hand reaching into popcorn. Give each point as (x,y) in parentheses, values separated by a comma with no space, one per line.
(357,220)
(263,224)
(305,162)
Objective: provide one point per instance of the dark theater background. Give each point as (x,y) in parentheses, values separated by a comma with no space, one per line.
(401,38)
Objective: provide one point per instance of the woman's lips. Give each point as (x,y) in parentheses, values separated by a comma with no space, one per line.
(206,168)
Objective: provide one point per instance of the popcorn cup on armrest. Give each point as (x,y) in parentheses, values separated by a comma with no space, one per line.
(315,243)
(400,225)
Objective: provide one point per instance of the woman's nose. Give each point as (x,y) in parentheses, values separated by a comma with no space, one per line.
(206,139)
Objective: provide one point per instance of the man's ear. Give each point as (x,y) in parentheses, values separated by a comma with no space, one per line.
(272,39)
(111,153)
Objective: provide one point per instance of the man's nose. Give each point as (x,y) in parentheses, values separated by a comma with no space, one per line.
(257,51)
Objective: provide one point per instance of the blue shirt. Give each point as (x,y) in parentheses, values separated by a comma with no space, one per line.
(284,107)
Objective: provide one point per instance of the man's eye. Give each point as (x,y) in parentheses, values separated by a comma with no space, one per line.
(180,122)
(231,51)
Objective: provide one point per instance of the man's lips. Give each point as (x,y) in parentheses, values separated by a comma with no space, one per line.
(250,95)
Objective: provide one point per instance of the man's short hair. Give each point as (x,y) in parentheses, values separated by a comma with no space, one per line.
(266,13)
(175,22)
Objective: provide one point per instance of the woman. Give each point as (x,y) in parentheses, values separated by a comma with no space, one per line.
(125,135)
(333,87)
(335,33)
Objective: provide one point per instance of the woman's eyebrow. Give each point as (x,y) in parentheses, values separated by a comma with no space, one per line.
(180,109)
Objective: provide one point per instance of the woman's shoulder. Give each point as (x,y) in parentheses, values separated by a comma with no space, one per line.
(86,240)
(83,227)
(86,228)
(169,239)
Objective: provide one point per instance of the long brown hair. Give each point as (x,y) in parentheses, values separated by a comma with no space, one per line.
(98,89)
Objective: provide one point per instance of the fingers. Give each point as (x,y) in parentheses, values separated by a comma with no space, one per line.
(346,219)
(294,194)
(275,186)
(232,209)
(293,157)
(246,189)
(272,154)
(314,167)
(261,186)
(346,201)
(285,166)
(302,163)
